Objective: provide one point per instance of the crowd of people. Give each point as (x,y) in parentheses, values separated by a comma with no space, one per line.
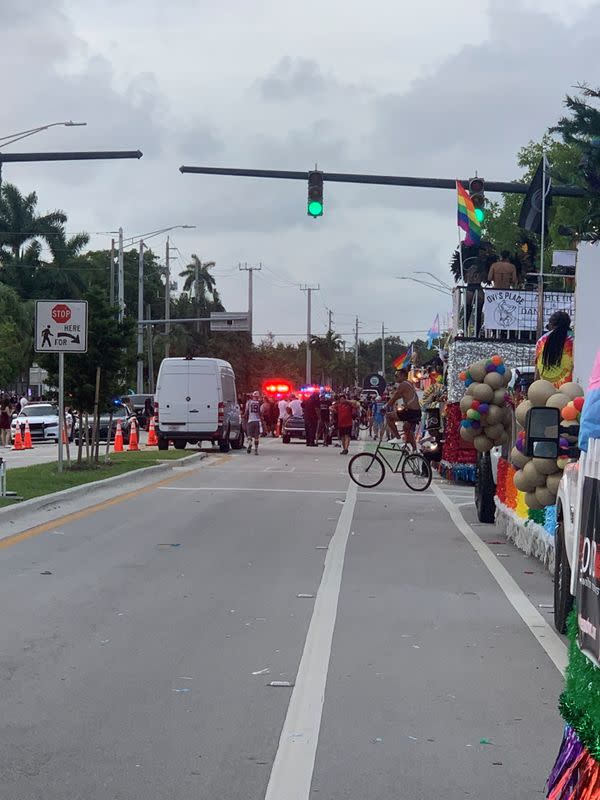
(9,405)
(341,413)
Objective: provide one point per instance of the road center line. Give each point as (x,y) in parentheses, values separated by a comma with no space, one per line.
(366,492)
(292,772)
(543,632)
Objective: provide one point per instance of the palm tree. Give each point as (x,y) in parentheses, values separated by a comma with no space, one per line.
(20,225)
(198,278)
(327,348)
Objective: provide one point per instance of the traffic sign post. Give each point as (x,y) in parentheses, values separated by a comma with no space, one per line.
(61,326)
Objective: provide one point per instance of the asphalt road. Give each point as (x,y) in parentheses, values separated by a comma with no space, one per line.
(140,667)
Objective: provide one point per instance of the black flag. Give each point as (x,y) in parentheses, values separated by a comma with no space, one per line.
(531,210)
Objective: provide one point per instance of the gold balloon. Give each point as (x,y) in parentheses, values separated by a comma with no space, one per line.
(465,404)
(532,502)
(552,482)
(545,496)
(522,483)
(539,392)
(534,477)
(522,411)
(500,398)
(572,390)
(468,434)
(494,379)
(518,459)
(507,377)
(483,393)
(482,444)
(494,431)
(545,466)
(557,400)
(477,370)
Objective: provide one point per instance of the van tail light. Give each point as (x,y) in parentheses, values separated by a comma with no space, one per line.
(155,411)
(221,413)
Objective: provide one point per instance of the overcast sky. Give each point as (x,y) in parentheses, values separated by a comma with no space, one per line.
(431,88)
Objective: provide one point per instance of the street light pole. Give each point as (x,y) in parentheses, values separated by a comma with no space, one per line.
(16,137)
(309,290)
(140,331)
(167,297)
(120,287)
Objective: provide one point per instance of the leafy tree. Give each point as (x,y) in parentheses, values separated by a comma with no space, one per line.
(16,336)
(199,282)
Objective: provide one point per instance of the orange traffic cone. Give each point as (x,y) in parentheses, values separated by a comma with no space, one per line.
(64,436)
(27,443)
(133,437)
(18,443)
(118,438)
(152,437)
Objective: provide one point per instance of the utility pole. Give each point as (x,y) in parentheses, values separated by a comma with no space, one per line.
(356,354)
(383,349)
(140,330)
(111,284)
(330,325)
(120,287)
(167,298)
(309,290)
(250,270)
(150,350)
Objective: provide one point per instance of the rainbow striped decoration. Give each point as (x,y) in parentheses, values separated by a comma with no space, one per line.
(466,216)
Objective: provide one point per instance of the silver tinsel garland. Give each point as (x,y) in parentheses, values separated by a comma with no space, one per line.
(464,352)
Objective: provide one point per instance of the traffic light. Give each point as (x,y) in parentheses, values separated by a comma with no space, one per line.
(477,192)
(315,194)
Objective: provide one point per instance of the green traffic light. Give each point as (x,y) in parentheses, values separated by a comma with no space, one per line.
(480,214)
(315,208)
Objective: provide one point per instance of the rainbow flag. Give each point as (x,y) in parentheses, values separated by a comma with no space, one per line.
(403,360)
(433,332)
(466,216)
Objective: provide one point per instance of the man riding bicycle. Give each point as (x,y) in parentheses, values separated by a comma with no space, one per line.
(409,414)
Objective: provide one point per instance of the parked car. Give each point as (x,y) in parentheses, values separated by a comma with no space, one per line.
(120,414)
(293,428)
(43,422)
(195,402)
(139,406)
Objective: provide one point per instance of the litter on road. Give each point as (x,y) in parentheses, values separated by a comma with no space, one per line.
(280,684)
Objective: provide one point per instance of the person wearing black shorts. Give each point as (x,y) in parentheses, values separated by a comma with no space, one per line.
(409,414)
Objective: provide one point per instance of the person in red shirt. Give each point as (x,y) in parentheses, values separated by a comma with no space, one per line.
(345,410)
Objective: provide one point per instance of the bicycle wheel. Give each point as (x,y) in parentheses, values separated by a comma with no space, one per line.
(416,472)
(366,469)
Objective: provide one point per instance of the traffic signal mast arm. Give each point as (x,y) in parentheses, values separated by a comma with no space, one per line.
(506,187)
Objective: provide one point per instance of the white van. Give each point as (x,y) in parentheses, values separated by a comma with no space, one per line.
(196,401)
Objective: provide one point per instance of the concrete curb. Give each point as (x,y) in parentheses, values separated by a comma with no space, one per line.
(17,510)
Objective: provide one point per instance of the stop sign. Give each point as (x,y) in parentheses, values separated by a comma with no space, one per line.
(61,313)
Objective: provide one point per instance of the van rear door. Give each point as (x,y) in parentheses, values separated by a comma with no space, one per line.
(173,392)
(203,405)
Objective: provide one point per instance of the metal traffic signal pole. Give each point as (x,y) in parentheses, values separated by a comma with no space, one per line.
(506,187)
(77,155)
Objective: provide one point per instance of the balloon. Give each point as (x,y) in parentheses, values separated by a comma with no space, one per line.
(465,423)
(552,482)
(468,382)
(494,380)
(522,482)
(500,397)
(465,404)
(483,393)
(532,502)
(462,376)
(562,461)
(545,466)
(507,376)
(468,434)
(517,459)
(497,361)
(482,444)
(578,403)
(533,475)
(545,496)
(494,431)
(483,408)
(572,390)
(476,424)
(520,445)
(563,442)
(472,414)
(490,367)
(569,412)
(557,400)
(501,369)
(495,415)
(522,411)
(477,370)
(539,392)
(475,404)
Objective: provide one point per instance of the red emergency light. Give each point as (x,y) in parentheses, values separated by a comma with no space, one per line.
(277,387)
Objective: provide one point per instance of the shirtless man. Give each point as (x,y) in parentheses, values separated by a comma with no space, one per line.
(409,414)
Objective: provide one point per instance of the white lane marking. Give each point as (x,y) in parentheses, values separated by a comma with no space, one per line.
(404,495)
(543,632)
(292,772)
(248,489)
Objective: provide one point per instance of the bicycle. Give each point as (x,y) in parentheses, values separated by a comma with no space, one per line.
(368,469)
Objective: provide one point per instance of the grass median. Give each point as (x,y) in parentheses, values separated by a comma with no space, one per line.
(41,479)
